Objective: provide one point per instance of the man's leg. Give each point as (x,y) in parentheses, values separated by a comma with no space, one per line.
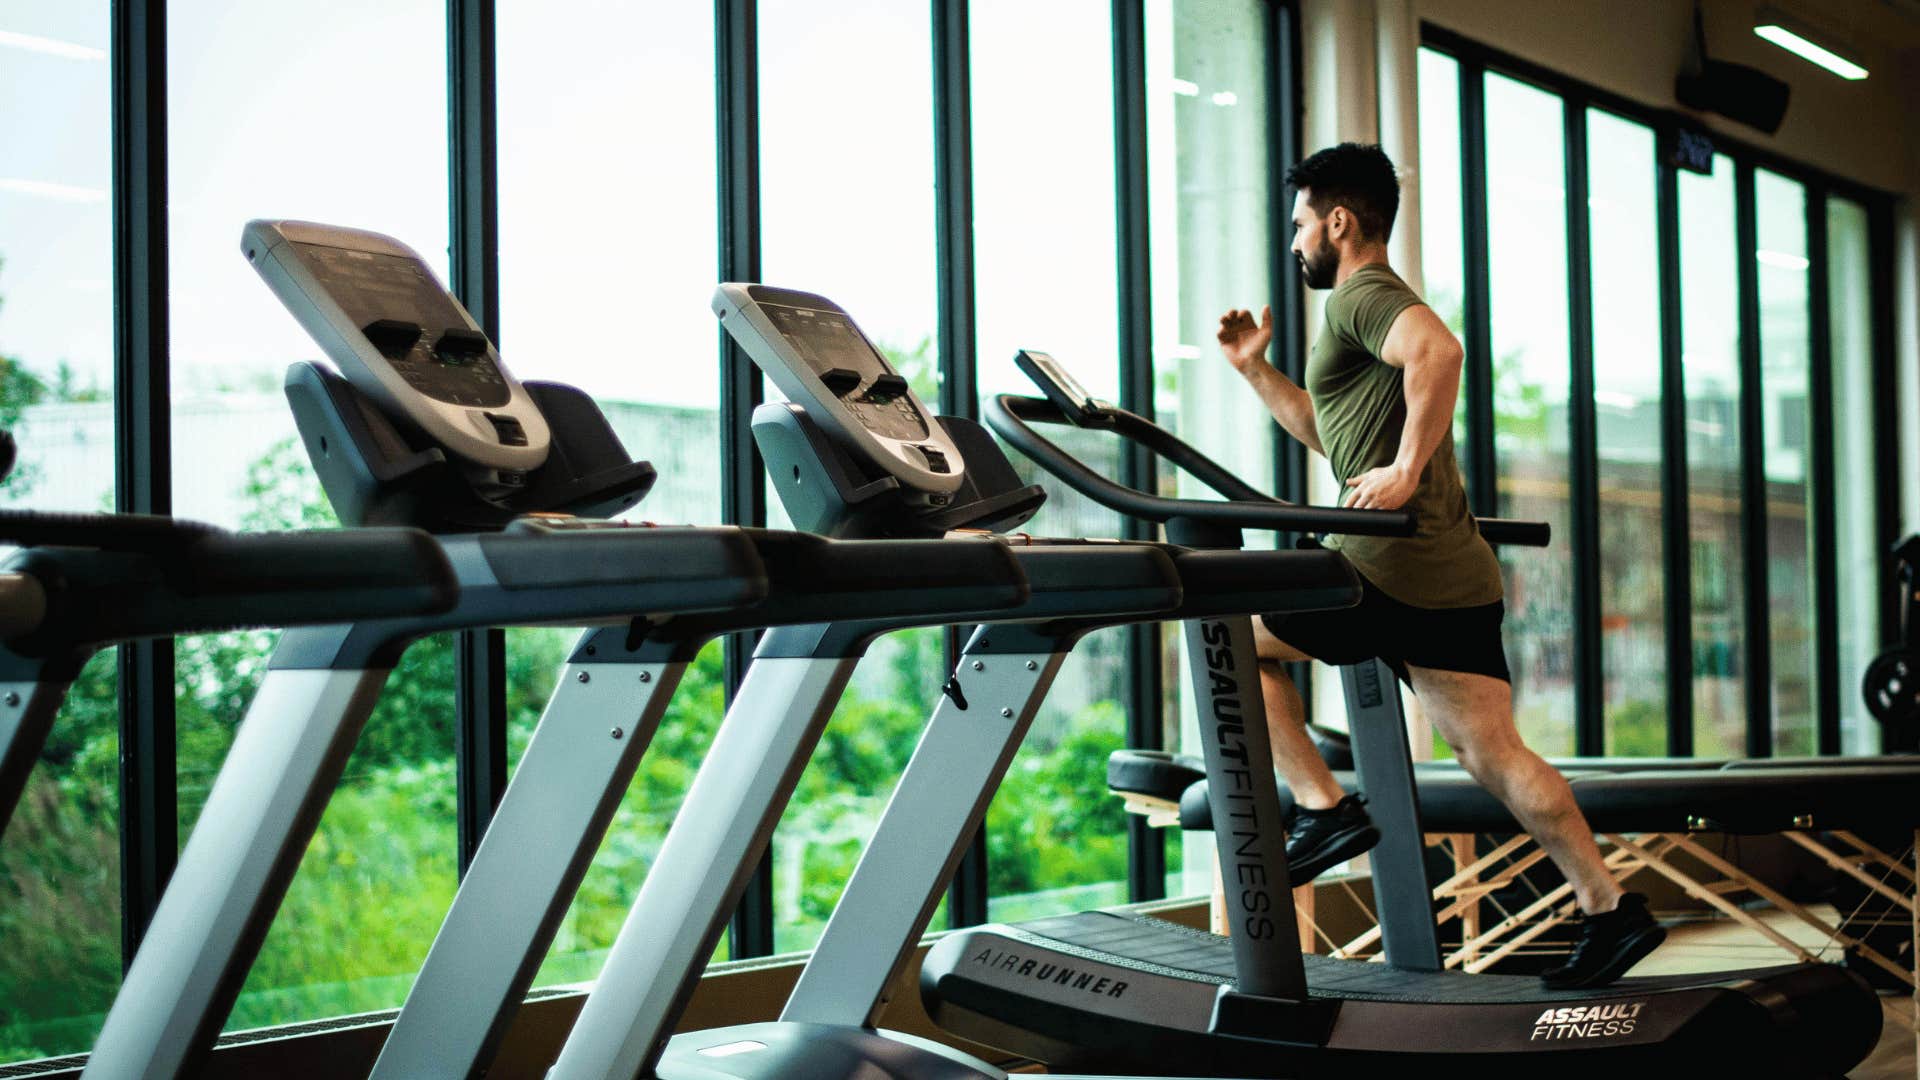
(1294,755)
(1474,713)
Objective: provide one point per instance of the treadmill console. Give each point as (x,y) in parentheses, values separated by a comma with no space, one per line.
(812,350)
(1061,388)
(402,339)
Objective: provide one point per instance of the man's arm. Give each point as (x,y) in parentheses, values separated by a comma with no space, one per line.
(1421,345)
(1245,346)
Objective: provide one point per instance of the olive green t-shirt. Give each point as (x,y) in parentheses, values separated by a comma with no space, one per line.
(1360,406)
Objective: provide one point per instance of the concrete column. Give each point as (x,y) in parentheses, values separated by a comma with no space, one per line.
(1397,43)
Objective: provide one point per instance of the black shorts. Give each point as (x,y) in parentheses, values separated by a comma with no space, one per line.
(1450,639)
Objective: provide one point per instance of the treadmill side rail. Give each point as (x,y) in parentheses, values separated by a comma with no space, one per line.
(529,865)
(286,759)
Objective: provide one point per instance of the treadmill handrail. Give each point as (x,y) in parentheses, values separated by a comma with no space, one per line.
(1245,507)
(1007,414)
(116,577)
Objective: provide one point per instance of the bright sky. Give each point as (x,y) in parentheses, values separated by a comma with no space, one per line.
(606,176)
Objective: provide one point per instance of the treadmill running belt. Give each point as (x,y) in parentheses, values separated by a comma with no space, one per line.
(1145,943)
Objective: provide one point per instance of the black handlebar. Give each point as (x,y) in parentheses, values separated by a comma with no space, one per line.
(1246,507)
(116,576)
(1508,532)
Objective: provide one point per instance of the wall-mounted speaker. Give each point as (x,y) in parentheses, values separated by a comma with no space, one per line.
(1737,92)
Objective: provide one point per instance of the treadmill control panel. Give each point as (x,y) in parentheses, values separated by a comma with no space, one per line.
(402,339)
(814,352)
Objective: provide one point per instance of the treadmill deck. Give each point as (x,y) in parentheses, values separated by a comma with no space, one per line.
(1143,943)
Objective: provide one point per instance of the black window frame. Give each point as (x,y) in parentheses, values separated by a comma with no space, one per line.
(1474,61)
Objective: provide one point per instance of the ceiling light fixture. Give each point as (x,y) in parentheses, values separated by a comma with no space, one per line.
(50,46)
(1798,39)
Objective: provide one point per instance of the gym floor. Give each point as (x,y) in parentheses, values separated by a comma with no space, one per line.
(1717,944)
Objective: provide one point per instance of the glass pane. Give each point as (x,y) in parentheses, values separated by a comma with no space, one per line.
(1443,260)
(1710,359)
(859,229)
(1208,178)
(60,858)
(379,874)
(567,270)
(1626,405)
(1527,256)
(1044,251)
(1856,462)
(1780,206)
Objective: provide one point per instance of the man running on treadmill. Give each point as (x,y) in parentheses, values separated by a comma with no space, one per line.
(1381,382)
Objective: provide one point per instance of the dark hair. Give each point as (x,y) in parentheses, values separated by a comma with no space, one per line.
(1358,176)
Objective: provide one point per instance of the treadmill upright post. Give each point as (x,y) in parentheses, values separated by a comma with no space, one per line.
(28,705)
(1245,799)
(241,856)
(711,849)
(931,819)
(603,713)
(1401,891)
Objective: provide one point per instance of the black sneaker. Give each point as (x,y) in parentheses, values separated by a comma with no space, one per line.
(1318,839)
(1609,944)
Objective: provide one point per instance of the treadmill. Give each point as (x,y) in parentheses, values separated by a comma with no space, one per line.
(834,452)
(1190,1003)
(83,582)
(424,426)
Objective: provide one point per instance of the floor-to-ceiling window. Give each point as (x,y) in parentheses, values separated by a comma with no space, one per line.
(251,139)
(1858,463)
(569,77)
(1527,273)
(1627,432)
(847,211)
(1710,361)
(1045,250)
(1209,182)
(59,859)
(1780,209)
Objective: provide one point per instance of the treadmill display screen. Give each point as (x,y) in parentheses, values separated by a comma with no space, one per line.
(826,340)
(830,344)
(371,287)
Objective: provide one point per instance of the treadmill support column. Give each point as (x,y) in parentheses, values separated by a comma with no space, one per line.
(553,817)
(711,849)
(27,710)
(1402,894)
(241,856)
(956,769)
(1245,800)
